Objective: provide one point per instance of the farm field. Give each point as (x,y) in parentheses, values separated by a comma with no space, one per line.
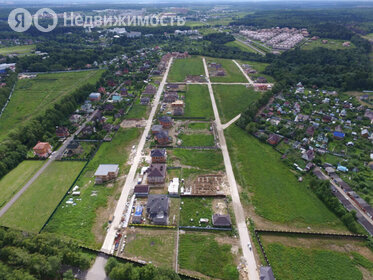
(332,44)
(181,68)
(202,253)
(278,197)
(12,182)
(198,102)
(34,207)
(153,245)
(302,263)
(233,100)
(241,46)
(33,96)
(84,222)
(201,140)
(210,159)
(233,73)
(17,49)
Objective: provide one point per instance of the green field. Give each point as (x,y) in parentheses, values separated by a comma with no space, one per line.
(278,196)
(33,96)
(198,102)
(232,72)
(211,160)
(241,46)
(202,140)
(332,45)
(233,100)
(12,182)
(195,208)
(152,245)
(181,68)
(77,222)
(204,254)
(34,207)
(137,111)
(17,49)
(199,126)
(297,263)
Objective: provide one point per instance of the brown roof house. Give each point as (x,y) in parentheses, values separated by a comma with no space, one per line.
(62,132)
(150,90)
(219,220)
(157,208)
(165,121)
(170,96)
(274,139)
(157,173)
(42,149)
(106,172)
(158,155)
(141,190)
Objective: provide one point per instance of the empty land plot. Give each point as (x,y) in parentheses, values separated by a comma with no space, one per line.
(207,160)
(137,111)
(259,67)
(157,246)
(78,221)
(17,49)
(299,263)
(202,253)
(277,194)
(330,44)
(233,100)
(195,208)
(198,102)
(181,68)
(33,96)
(199,126)
(232,72)
(12,182)
(197,140)
(34,207)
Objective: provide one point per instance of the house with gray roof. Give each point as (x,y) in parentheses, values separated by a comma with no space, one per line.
(157,208)
(106,172)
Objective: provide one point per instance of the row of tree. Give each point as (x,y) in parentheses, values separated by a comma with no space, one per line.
(30,257)
(127,271)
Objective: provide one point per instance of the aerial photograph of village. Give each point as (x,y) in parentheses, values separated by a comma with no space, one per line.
(186,140)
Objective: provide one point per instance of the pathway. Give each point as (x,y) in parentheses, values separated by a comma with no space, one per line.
(237,206)
(250,46)
(224,126)
(243,72)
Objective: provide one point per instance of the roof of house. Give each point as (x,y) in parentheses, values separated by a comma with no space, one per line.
(266,273)
(73,145)
(157,170)
(162,134)
(166,119)
(141,189)
(158,153)
(104,169)
(338,134)
(221,220)
(42,145)
(157,127)
(157,203)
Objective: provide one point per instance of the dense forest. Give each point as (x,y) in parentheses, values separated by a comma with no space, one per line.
(29,257)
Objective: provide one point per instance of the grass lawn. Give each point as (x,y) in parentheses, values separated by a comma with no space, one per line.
(233,100)
(196,208)
(33,96)
(232,72)
(202,253)
(181,68)
(137,111)
(78,221)
(35,205)
(332,45)
(278,196)
(17,49)
(199,126)
(260,67)
(241,46)
(298,263)
(12,182)
(202,140)
(156,246)
(211,160)
(198,102)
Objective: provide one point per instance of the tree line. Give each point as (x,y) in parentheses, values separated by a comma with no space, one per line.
(9,80)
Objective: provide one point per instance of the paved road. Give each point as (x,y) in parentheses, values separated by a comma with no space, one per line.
(237,206)
(250,46)
(97,271)
(224,126)
(130,180)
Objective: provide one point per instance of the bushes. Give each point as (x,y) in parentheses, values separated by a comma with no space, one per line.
(127,271)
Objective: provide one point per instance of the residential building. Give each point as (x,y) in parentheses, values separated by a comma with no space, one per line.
(158,155)
(173,187)
(157,173)
(42,149)
(165,121)
(141,190)
(157,209)
(94,96)
(106,172)
(219,220)
(266,273)
(62,132)
(162,137)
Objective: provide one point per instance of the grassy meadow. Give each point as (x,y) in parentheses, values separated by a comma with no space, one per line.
(198,102)
(232,72)
(181,68)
